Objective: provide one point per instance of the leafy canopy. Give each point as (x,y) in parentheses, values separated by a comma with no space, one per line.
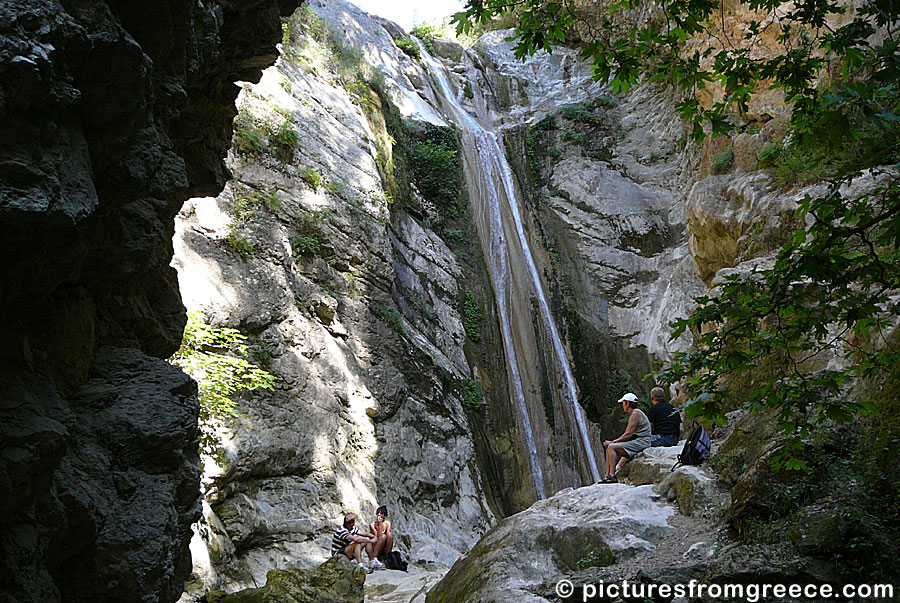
(765,336)
(217,359)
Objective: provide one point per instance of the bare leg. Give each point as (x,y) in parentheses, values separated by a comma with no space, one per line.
(610,459)
(379,546)
(622,461)
(354,550)
(389,544)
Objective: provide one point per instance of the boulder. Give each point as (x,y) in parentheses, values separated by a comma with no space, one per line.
(772,564)
(338,580)
(735,218)
(573,530)
(821,528)
(692,487)
(447,49)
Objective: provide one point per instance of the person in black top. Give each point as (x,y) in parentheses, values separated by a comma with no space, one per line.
(665,422)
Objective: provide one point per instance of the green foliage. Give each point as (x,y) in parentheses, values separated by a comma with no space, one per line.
(311,177)
(426,309)
(239,243)
(306,245)
(247,203)
(827,292)
(467,91)
(597,557)
(264,353)
(571,135)
(309,240)
(409,46)
(722,162)
(472,316)
(285,139)
(534,165)
(248,138)
(456,236)
(769,154)
(618,383)
(391,318)
(252,135)
(216,359)
(427,33)
(547,123)
(583,114)
(433,153)
(657,49)
(244,207)
(472,396)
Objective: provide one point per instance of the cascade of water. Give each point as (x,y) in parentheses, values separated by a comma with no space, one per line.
(481,141)
(490,169)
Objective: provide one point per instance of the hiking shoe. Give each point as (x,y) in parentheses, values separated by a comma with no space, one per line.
(376,564)
(609,479)
(366,568)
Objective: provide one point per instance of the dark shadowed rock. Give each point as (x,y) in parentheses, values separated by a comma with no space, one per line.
(114,113)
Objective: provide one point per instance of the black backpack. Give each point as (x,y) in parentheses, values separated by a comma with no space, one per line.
(394,561)
(696,449)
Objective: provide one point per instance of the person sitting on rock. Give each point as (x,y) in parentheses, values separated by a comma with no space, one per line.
(381,527)
(635,439)
(665,422)
(348,540)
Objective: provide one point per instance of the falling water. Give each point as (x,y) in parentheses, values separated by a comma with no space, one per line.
(491,167)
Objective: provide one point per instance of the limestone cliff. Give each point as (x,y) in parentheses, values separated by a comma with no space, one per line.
(113,114)
(606,178)
(323,252)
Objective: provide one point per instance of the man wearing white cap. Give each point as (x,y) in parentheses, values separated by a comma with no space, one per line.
(635,439)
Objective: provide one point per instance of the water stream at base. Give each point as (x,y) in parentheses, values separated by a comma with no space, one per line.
(486,170)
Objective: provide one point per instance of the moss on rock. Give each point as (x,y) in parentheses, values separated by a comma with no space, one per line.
(337,580)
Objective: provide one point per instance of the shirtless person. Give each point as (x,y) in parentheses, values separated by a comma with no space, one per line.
(381,528)
(348,540)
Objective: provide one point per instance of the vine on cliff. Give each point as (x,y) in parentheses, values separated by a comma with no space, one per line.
(217,359)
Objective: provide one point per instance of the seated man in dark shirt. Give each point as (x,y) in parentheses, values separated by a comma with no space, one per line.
(665,422)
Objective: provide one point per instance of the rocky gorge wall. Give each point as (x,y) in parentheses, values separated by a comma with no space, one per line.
(352,295)
(114,113)
(606,180)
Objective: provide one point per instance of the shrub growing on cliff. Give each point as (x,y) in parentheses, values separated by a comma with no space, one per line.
(722,162)
(285,139)
(239,242)
(310,176)
(472,396)
(391,318)
(433,153)
(409,46)
(217,359)
(427,33)
(472,316)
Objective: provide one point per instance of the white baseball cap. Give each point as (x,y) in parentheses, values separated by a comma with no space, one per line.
(629,397)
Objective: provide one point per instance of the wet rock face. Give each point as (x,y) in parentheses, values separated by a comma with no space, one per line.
(113,113)
(606,178)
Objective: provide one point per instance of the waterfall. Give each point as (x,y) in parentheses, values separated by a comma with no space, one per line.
(490,181)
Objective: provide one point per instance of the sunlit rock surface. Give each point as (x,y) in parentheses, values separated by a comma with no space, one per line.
(364,337)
